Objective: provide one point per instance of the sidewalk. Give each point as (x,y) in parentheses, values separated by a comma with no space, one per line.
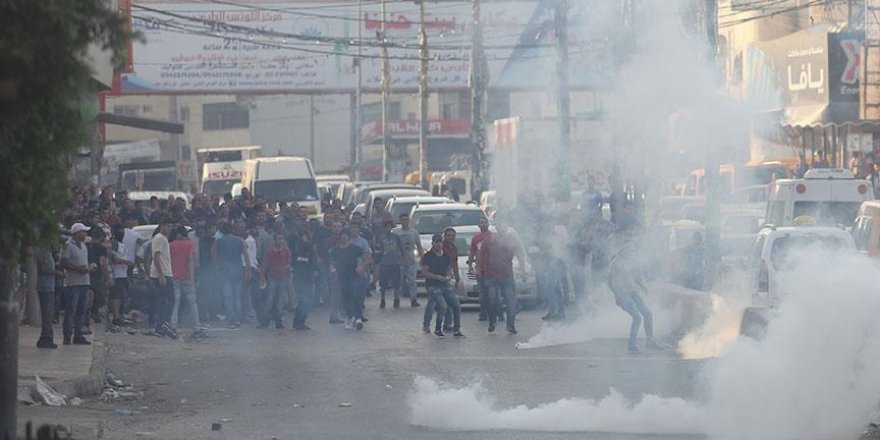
(72,370)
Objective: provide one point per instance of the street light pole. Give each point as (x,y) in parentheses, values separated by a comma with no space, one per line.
(478,81)
(358,153)
(386,91)
(312,129)
(713,206)
(563,103)
(423,96)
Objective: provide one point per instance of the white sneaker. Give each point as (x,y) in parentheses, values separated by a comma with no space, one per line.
(358,324)
(349,324)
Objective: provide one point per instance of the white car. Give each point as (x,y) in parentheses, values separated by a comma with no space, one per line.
(404,204)
(431,219)
(773,253)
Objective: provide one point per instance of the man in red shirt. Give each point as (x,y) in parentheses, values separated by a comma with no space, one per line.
(276,275)
(183,269)
(497,253)
(476,244)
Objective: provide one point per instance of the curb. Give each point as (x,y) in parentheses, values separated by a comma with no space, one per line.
(82,386)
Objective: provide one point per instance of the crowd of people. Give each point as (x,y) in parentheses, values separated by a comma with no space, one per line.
(232,261)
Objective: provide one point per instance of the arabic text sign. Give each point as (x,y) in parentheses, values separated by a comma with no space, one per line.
(209,47)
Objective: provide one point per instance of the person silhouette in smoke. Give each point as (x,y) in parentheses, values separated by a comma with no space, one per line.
(626,281)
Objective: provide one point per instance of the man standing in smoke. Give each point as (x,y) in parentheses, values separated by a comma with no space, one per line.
(625,278)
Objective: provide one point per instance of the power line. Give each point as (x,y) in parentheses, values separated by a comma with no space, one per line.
(771,14)
(249,31)
(182,29)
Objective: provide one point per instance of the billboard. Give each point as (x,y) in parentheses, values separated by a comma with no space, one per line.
(289,47)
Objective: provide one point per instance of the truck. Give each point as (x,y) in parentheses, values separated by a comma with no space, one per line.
(525,153)
(148,176)
(285,179)
(223,167)
(128,152)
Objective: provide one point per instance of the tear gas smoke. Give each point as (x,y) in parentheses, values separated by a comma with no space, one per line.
(816,375)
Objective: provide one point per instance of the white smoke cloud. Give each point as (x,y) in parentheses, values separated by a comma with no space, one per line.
(472,409)
(816,375)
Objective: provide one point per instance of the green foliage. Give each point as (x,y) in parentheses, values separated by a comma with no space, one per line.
(42,57)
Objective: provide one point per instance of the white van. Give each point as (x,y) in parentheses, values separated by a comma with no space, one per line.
(831,196)
(284,179)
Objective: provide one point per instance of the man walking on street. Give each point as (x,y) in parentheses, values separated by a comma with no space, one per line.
(75,261)
(450,250)
(476,245)
(438,273)
(412,248)
(183,267)
(229,252)
(347,262)
(276,276)
(390,252)
(497,254)
(161,277)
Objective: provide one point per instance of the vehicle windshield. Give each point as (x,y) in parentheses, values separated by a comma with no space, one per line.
(789,246)
(219,187)
(828,213)
(398,208)
(457,184)
(287,190)
(432,222)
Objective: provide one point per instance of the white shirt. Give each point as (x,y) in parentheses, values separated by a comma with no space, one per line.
(130,239)
(251,245)
(160,245)
(120,270)
(78,255)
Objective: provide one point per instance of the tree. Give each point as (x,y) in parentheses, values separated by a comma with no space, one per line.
(44,73)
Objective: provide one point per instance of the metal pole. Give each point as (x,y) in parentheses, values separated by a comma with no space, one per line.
(713,207)
(386,91)
(423,97)
(563,167)
(358,152)
(478,82)
(8,347)
(312,129)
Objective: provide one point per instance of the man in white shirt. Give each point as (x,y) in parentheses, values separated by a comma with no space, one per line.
(253,298)
(75,261)
(121,259)
(160,276)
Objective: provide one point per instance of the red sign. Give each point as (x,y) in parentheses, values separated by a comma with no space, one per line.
(410,128)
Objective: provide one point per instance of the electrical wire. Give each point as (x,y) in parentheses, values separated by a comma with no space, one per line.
(769,15)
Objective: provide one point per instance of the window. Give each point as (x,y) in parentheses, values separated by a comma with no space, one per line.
(862,232)
(224,116)
(184,114)
(125,110)
(828,213)
(776,213)
(147,108)
(185,152)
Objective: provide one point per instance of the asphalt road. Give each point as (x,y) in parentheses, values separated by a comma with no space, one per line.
(264,384)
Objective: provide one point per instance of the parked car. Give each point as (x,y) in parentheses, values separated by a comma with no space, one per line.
(404,204)
(773,253)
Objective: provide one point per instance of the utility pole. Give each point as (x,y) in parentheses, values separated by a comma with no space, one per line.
(386,91)
(358,152)
(423,96)
(478,80)
(563,106)
(312,129)
(713,207)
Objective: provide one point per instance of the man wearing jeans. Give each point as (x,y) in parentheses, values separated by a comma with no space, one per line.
(476,245)
(75,261)
(183,268)
(347,262)
(438,273)
(625,281)
(275,270)
(496,254)
(412,246)
(161,277)
(46,273)
(229,252)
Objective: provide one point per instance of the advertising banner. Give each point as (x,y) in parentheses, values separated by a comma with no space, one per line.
(290,47)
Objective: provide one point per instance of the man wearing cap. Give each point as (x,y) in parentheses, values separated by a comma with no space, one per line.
(75,262)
